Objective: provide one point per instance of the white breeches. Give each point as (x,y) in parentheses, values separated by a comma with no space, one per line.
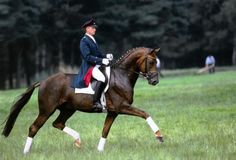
(97,74)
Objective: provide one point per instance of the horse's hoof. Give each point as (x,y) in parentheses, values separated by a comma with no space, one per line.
(160,139)
(77,143)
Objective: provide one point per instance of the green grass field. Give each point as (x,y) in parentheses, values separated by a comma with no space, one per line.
(196,114)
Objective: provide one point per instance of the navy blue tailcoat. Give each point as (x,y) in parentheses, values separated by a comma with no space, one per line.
(91,56)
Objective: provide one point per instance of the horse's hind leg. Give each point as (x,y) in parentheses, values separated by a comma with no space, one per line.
(46,109)
(38,123)
(59,123)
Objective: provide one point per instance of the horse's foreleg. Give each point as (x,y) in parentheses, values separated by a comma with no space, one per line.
(137,112)
(106,128)
(59,123)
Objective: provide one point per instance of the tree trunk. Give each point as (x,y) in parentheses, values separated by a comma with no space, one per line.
(234,51)
(29,63)
(18,69)
(3,67)
(11,65)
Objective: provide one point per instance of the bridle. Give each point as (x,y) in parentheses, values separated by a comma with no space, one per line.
(146,74)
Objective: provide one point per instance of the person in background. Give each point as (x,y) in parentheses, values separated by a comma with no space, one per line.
(210,63)
(92,59)
(159,67)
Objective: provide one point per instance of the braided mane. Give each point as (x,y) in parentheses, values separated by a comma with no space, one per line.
(124,56)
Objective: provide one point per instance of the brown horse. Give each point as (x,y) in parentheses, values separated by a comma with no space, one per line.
(56,93)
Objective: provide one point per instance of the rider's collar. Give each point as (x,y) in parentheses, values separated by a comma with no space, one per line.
(91,37)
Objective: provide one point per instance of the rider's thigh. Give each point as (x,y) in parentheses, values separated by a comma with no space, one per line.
(98,75)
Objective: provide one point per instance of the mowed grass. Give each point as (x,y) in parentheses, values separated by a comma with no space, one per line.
(196,114)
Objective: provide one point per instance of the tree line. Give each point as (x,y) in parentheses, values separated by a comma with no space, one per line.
(37,36)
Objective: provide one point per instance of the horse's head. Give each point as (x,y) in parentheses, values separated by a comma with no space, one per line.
(147,66)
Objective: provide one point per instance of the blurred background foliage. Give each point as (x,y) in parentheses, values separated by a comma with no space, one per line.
(37,37)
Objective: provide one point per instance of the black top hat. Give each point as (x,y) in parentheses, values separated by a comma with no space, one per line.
(91,22)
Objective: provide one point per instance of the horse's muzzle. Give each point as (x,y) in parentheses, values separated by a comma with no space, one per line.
(153,79)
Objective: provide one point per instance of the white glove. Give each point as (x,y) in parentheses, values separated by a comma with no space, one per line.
(105,61)
(109,56)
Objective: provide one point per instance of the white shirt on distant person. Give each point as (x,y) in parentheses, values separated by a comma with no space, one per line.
(210,60)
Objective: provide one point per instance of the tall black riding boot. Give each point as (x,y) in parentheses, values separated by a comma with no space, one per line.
(97,95)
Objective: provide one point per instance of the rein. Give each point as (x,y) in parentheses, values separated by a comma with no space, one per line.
(146,74)
(138,73)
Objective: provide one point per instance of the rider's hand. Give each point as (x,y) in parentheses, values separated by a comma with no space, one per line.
(105,61)
(109,56)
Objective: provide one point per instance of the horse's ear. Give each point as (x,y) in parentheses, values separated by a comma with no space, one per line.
(155,50)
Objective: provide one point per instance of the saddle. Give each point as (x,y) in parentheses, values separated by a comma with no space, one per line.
(91,87)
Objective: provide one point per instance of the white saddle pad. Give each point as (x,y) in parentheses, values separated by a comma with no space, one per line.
(89,89)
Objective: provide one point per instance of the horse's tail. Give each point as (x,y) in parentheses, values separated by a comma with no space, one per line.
(16,108)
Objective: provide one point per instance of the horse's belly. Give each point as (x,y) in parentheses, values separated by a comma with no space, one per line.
(82,101)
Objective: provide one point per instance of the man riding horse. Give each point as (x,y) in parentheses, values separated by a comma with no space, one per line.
(92,59)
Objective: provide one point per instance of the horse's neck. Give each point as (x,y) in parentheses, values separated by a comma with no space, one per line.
(128,76)
(123,83)
(129,71)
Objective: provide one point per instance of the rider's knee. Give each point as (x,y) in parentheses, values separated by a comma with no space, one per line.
(101,78)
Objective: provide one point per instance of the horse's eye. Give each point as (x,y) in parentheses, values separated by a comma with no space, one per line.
(151,63)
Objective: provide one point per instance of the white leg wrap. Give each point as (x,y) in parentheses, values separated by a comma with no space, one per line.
(72,133)
(152,124)
(101,144)
(28,144)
